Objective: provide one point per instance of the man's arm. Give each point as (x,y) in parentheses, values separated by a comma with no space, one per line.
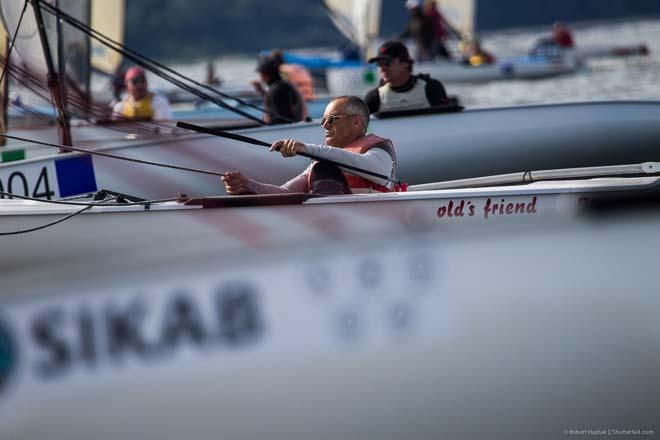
(435,92)
(237,184)
(372,99)
(376,160)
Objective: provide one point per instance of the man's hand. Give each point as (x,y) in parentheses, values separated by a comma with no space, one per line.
(289,147)
(235,183)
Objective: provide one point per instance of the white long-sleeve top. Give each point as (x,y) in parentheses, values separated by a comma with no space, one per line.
(375,160)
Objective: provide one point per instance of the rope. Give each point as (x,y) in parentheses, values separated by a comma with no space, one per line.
(154,66)
(113,156)
(102,203)
(47,225)
(11,46)
(86,207)
(143,61)
(53,223)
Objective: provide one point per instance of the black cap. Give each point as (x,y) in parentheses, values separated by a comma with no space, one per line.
(390,50)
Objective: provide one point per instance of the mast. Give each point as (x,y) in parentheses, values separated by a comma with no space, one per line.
(53,81)
(4,44)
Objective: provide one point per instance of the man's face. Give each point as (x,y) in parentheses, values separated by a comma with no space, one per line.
(394,71)
(137,87)
(340,128)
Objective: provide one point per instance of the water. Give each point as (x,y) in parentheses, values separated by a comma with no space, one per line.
(605,79)
(632,78)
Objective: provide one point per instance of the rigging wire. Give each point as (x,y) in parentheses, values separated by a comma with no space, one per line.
(47,225)
(142,61)
(55,222)
(86,206)
(158,68)
(68,202)
(113,156)
(11,46)
(35,85)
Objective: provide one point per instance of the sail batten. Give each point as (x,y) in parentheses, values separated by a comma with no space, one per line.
(107,17)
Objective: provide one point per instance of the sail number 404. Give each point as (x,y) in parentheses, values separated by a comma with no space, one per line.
(28,184)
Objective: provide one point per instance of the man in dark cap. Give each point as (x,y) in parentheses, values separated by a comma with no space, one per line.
(400,89)
(282,101)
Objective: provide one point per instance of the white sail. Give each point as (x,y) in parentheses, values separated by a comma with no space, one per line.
(27,45)
(461,14)
(358,20)
(108,19)
(75,44)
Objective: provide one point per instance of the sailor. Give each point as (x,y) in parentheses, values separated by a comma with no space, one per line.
(211,78)
(139,103)
(400,89)
(345,122)
(562,36)
(473,54)
(296,74)
(420,27)
(441,29)
(282,101)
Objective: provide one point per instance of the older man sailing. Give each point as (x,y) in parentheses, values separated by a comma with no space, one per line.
(345,122)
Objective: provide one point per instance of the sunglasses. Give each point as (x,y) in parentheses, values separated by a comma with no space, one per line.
(137,81)
(331,119)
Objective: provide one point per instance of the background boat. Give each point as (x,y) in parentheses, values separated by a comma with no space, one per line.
(430,147)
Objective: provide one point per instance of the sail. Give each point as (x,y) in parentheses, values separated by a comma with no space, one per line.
(108,19)
(461,14)
(358,20)
(75,45)
(27,45)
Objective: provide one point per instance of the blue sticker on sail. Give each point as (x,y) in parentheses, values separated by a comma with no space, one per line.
(75,175)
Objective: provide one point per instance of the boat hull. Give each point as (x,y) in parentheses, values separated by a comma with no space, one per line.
(406,316)
(357,80)
(430,148)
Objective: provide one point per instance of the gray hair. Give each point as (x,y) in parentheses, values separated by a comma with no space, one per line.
(356,106)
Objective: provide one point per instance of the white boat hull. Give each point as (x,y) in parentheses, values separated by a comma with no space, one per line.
(207,318)
(359,80)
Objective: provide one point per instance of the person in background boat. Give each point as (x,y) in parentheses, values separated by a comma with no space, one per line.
(473,54)
(345,123)
(282,102)
(211,78)
(139,103)
(420,29)
(441,29)
(400,89)
(562,35)
(296,74)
